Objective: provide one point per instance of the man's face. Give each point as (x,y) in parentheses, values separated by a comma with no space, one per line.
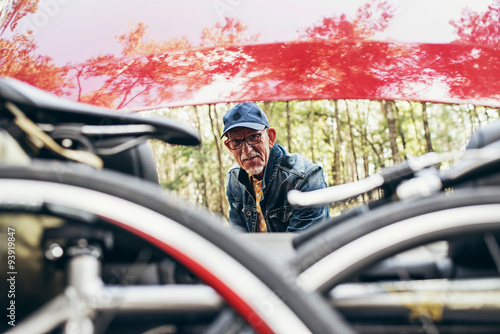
(252,158)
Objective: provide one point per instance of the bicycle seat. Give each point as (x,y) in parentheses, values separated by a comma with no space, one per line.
(118,139)
(45,108)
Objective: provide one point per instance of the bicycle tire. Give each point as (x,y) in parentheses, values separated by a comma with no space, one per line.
(313,312)
(349,230)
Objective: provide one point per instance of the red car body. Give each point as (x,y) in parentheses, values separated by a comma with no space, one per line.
(129,56)
(135,56)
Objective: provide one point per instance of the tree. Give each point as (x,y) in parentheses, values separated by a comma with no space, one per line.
(353,146)
(427,134)
(369,19)
(147,70)
(216,131)
(479,28)
(311,130)
(203,182)
(387,108)
(336,150)
(19,59)
(18,10)
(233,32)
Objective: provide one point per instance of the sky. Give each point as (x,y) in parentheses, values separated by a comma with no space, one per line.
(73,29)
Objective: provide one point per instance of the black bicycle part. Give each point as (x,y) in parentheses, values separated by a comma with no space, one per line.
(311,308)
(349,230)
(45,108)
(318,229)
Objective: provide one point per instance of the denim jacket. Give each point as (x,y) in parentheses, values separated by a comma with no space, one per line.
(284,172)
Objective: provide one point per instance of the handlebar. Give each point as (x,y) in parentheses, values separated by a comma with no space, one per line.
(389,178)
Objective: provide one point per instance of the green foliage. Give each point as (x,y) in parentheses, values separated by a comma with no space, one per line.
(363,149)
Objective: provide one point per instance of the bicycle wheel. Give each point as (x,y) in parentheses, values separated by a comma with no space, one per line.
(375,272)
(191,236)
(371,220)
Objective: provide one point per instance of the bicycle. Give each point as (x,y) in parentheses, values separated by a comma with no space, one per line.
(453,215)
(97,246)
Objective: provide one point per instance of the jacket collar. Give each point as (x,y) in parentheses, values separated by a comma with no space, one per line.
(275,157)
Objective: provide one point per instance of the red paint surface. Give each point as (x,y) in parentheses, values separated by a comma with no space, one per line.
(122,55)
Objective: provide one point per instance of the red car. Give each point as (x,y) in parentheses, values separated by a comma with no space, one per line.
(98,251)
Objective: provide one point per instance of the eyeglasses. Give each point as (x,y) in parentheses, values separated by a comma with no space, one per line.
(236,144)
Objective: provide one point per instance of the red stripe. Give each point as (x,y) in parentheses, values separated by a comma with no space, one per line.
(231,297)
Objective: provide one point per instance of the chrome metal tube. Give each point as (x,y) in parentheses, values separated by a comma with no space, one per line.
(165,298)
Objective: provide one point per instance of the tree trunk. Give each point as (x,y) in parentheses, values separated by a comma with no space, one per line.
(215,132)
(475,117)
(267,111)
(364,143)
(381,162)
(427,132)
(331,152)
(414,121)
(288,130)
(487,115)
(388,110)
(311,129)
(399,126)
(203,174)
(353,150)
(364,132)
(336,149)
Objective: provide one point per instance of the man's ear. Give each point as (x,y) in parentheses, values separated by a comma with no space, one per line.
(225,143)
(271,132)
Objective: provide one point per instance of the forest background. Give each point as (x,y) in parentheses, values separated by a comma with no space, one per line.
(350,139)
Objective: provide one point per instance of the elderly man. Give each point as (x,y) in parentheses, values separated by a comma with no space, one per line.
(257,188)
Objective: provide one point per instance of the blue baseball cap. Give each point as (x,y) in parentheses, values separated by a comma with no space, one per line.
(246,115)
